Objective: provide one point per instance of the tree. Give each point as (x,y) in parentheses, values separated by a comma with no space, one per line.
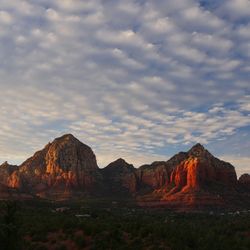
(9,228)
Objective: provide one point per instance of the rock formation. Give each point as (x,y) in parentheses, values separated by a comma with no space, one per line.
(190,179)
(200,179)
(157,175)
(66,167)
(153,176)
(200,169)
(244,181)
(120,177)
(9,175)
(65,164)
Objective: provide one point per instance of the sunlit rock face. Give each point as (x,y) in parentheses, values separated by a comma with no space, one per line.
(120,177)
(193,179)
(195,169)
(64,164)
(157,175)
(70,162)
(200,169)
(9,175)
(200,179)
(69,154)
(153,176)
(14,180)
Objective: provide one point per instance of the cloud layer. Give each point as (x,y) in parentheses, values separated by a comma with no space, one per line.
(133,78)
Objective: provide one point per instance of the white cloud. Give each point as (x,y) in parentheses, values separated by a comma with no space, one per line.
(236,9)
(245,103)
(52,15)
(78,5)
(5,17)
(244,31)
(212,43)
(134,76)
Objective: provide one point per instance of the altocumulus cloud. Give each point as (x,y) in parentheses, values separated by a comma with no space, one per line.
(139,79)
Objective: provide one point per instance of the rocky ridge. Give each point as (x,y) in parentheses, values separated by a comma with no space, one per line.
(66,167)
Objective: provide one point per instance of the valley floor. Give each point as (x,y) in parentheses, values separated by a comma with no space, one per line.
(109,224)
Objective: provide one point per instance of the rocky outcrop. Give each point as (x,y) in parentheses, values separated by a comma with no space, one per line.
(200,175)
(9,175)
(244,181)
(157,175)
(153,176)
(120,177)
(65,164)
(200,169)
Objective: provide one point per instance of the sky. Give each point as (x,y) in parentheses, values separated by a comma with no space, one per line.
(138,79)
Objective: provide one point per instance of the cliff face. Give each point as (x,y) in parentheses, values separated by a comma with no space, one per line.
(157,175)
(63,165)
(9,175)
(153,176)
(200,169)
(200,180)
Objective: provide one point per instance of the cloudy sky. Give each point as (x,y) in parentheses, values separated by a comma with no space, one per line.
(139,79)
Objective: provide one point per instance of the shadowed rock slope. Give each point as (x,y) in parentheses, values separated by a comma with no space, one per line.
(244,182)
(120,178)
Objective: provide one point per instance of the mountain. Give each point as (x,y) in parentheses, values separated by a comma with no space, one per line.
(64,165)
(200,179)
(199,170)
(190,179)
(67,168)
(120,177)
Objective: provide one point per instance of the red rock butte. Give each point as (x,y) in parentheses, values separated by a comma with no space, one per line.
(67,168)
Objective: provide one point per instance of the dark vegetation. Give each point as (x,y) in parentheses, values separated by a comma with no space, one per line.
(37,225)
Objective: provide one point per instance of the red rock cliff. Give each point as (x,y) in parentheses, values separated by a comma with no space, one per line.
(64,164)
(200,169)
